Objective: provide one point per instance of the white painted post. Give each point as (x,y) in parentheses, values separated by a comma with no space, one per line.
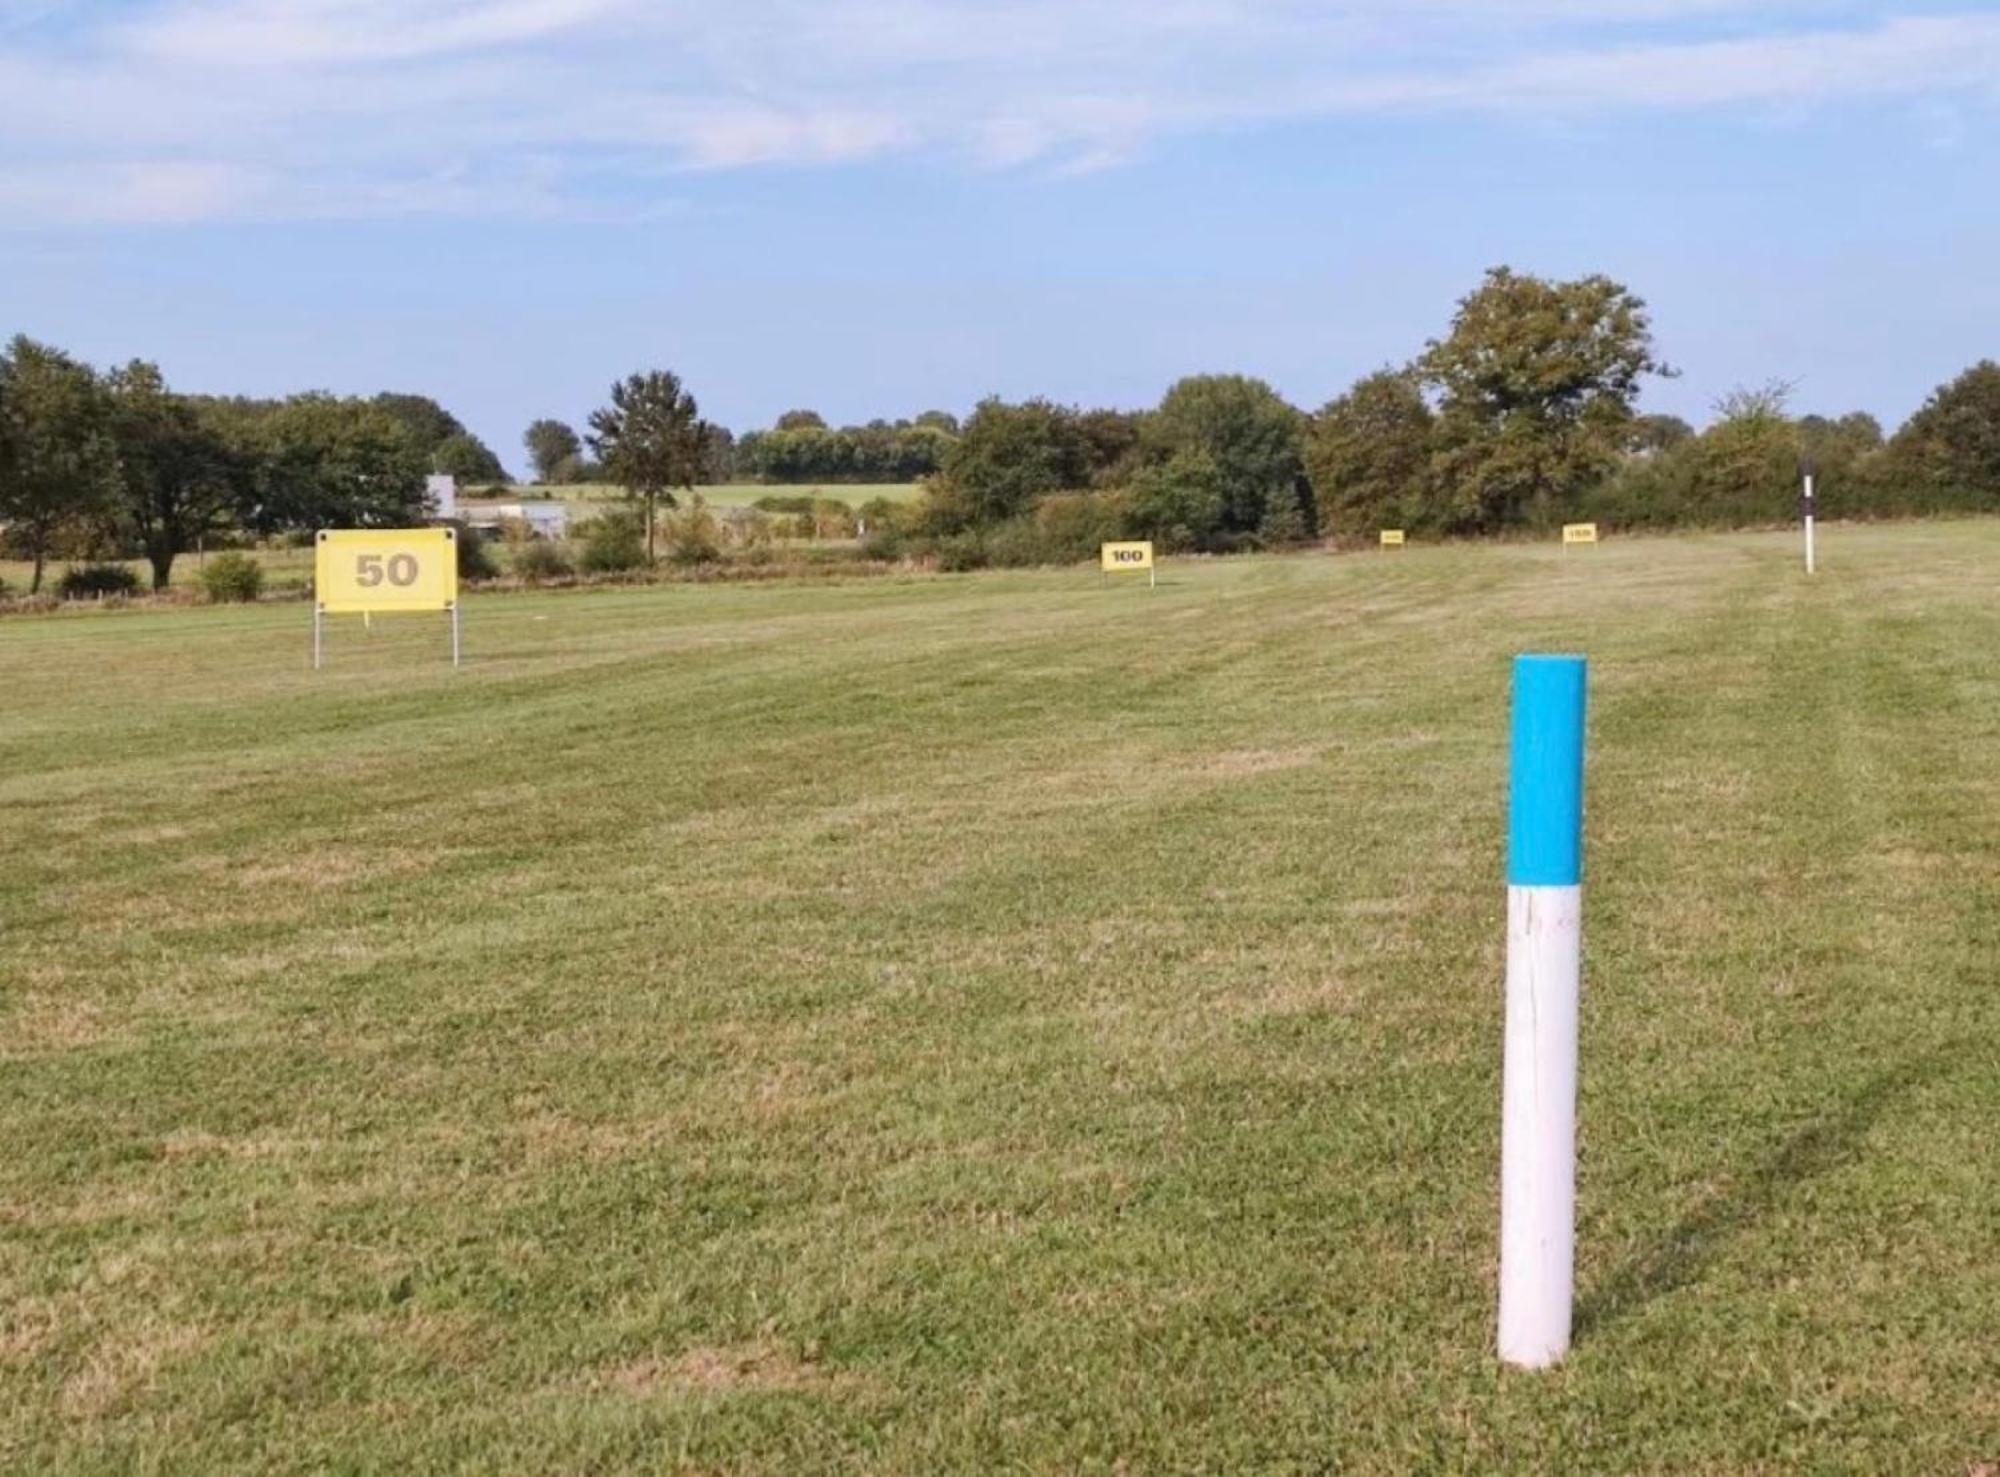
(1544,978)
(1807,508)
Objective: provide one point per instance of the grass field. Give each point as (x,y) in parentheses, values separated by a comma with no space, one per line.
(1001,1022)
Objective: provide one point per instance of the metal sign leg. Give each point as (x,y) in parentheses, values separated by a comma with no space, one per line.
(454,633)
(319,617)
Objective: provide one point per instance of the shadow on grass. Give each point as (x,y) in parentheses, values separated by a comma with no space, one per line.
(1680,1255)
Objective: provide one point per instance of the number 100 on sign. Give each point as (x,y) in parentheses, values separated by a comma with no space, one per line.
(375,569)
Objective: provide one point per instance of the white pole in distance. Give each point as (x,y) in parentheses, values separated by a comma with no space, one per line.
(1807,510)
(1544,976)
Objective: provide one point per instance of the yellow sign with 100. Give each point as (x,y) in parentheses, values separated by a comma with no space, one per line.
(1127,557)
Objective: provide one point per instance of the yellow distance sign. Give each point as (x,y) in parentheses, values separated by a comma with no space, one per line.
(1579,533)
(378,569)
(1392,538)
(1133,556)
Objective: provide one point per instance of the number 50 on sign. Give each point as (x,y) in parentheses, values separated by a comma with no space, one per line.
(370,570)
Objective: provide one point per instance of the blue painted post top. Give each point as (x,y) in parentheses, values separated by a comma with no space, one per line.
(1545,790)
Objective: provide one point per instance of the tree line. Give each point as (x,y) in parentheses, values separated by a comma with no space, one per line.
(798,449)
(1523,413)
(117,463)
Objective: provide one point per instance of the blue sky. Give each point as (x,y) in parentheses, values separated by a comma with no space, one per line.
(875,208)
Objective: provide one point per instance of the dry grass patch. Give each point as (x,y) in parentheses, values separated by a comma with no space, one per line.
(759,1366)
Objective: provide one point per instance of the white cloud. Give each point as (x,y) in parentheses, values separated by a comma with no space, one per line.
(199,109)
(170,192)
(260,33)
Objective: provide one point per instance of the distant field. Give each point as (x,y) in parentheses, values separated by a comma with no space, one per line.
(293,567)
(1007,1022)
(282,567)
(741,494)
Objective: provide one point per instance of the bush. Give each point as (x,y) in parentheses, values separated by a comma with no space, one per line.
(541,561)
(793,505)
(612,544)
(959,552)
(475,560)
(886,538)
(1011,544)
(1073,526)
(232,576)
(87,581)
(694,534)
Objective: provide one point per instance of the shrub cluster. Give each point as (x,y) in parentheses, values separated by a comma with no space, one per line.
(232,576)
(540,561)
(475,559)
(612,544)
(95,581)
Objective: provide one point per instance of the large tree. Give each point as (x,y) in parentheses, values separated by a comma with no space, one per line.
(57,470)
(550,443)
(447,445)
(465,458)
(718,454)
(1536,384)
(651,439)
(1369,456)
(1006,456)
(324,462)
(1951,447)
(1177,502)
(1253,437)
(1112,444)
(178,478)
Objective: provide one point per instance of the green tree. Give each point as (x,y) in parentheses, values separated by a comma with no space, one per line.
(324,462)
(1747,461)
(1253,437)
(447,444)
(468,459)
(1178,503)
(1112,444)
(1656,433)
(1006,456)
(650,439)
(178,478)
(549,442)
(1743,470)
(1950,449)
(1536,384)
(1368,454)
(800,420)
(60,460)
(718,455)
(428,422)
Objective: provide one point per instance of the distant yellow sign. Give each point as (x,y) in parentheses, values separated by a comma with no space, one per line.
(1579,533)
(385,569)
(1392,538)
(1133,556)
